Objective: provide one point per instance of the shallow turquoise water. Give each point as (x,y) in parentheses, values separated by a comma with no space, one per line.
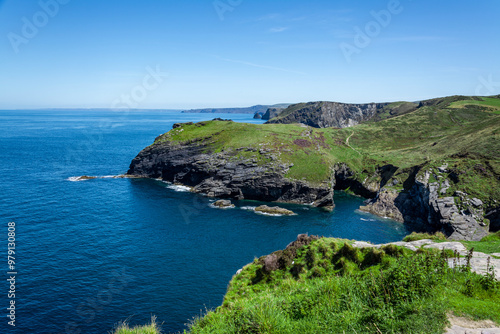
(93,253)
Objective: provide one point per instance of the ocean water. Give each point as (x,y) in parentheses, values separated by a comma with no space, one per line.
(90,254)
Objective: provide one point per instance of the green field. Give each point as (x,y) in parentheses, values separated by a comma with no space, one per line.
(492,104)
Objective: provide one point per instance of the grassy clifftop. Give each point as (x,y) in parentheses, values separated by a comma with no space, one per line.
(327,286)
(461,131)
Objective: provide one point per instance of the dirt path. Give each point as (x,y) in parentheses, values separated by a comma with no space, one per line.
(347,143)
(460,325)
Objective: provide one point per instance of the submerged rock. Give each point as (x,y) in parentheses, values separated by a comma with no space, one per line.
(85,178)
(223,204)
(275,210)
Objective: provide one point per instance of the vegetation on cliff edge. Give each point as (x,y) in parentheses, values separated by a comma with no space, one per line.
(327,286)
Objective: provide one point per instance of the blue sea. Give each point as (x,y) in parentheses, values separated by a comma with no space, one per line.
(90,254)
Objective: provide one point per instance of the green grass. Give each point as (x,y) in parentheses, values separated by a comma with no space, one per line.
(414,236)
(329,286)
(124,328)
(491,103)
(489,244)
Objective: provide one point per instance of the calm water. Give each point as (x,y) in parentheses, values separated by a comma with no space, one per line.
(90,254)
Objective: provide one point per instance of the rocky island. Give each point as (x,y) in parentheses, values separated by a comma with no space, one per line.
(434,164)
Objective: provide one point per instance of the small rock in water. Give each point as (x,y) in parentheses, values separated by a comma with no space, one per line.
(85,177)
(223,204)
(274,210)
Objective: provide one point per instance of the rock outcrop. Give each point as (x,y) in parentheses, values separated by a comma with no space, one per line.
(425,204)
(226,174)
(223,204)
(479,262)
(275,210)
(328,114)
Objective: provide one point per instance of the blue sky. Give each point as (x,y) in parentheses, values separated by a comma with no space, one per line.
(224,53)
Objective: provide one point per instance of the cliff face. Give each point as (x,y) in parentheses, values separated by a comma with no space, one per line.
(328,114)
(425,205)
(226,174)
(272,113)
(338,115)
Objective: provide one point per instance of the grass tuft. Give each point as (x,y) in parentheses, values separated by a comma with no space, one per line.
(124,328)
(414,236)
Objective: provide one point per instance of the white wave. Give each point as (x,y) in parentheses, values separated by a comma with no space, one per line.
(179,188)
(221,207)
(80,178)
(367,220)
(249,208)
(268,214)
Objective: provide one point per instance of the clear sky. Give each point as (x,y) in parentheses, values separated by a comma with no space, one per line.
(228,53)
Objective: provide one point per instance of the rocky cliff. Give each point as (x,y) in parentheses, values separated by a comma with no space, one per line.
(426,205)
(226,174)
(328,114)
(272,113)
